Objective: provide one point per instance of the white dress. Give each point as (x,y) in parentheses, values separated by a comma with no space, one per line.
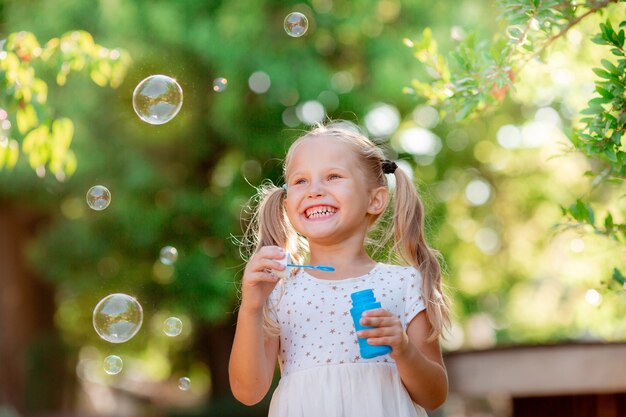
(322,374)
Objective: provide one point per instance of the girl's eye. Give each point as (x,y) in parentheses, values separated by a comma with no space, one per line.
(299,181)
(333,176)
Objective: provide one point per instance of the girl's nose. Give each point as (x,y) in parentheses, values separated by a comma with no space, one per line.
(316,189)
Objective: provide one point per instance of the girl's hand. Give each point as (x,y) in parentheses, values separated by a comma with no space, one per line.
(258,278)
(388,331)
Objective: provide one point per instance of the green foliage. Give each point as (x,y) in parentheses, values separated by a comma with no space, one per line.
(480,74)
(184,183)
(45,139)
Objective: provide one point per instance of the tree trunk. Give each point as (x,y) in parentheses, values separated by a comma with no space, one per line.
(26,318)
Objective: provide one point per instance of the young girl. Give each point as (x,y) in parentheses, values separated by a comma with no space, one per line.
(335,191)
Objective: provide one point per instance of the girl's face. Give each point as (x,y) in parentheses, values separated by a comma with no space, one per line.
(328,197)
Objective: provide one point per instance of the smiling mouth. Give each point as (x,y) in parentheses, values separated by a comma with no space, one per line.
(319,212)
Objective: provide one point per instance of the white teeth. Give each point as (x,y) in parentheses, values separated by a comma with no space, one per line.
(320,211)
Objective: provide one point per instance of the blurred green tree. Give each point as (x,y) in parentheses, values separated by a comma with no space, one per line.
(490,207)
(478,75)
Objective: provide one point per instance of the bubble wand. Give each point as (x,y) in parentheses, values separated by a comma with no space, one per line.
(319,267)
(287,271)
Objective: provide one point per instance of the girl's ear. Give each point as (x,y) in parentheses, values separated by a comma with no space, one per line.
(378,200)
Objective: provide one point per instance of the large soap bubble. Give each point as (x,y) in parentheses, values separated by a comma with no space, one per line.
(296,24)
(184,383)
(117,318)
(172,326)
(168,255)
(113,365)
(98,197)
(157,99)
(220,84)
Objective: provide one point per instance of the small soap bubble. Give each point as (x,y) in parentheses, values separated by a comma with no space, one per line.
(113,365)
(296,24)
(157,99)
(173,326)
(168,255)
(117,318)
(184,384)
(98,197)
(220,84)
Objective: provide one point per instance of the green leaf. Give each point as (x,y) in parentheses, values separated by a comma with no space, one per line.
(590,215)
(618,276)
(26,118)
(610,154)
(608,222)
(579,211)
(601,73)
(4,150)
(604,93)
(592,110)
(598,101)
(608,65)
(13,154)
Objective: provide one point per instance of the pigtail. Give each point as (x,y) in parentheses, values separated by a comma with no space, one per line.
(410,244)
(269,226)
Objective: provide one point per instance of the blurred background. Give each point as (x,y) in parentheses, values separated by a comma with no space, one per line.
(502,182)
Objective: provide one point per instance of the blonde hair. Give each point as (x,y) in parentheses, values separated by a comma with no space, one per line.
(270,225)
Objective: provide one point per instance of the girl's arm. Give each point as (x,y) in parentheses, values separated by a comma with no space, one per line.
(253,355)
(419,362)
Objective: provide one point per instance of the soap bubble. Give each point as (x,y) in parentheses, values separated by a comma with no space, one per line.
(157,99)
(117,318)
(113,365)
(184,383)
(220,84)
(168,255)
(296,24)
(98,197)
(173,326)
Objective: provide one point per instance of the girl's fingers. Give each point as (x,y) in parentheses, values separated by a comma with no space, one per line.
(271,252)
(380,341)
(261,276)
(264,264)
(378,332)
(380,321)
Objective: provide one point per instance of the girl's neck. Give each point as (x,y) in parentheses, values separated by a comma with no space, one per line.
(347,261)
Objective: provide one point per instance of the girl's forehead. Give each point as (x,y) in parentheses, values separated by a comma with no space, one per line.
(320,152)
(322,143)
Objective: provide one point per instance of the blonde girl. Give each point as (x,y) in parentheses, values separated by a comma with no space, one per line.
(335,191)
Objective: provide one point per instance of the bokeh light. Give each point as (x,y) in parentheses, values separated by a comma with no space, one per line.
(157,99)
(593,297)
(382,120)
(478,192)
(259,82)
(117,318)
(98,197)
(420,141)
(310,112)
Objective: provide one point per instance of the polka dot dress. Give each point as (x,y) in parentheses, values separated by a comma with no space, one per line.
(322,373)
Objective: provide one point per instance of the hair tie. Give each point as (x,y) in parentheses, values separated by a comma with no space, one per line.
(284,187)
(389,167)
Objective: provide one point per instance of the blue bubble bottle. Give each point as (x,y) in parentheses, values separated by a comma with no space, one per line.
(362,301)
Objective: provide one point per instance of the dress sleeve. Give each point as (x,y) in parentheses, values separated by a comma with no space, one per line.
(272,302)
(414,303)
